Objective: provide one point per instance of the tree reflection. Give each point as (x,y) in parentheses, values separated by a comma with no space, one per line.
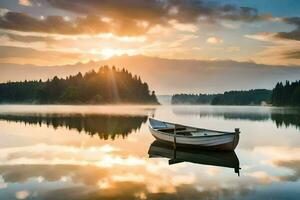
(286,120)
(105,126)
(280,116)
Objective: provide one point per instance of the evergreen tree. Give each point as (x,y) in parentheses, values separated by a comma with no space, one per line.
(286,95)
(107,85)
(254,97)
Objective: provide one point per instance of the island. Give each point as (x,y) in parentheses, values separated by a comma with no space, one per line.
(108,85)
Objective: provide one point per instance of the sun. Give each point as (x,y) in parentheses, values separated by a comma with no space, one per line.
(108,53)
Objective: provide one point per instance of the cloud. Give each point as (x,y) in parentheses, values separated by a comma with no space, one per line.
(281,50)
(264,36)
(153,10)
(229,25)
(214,40)
(127,17)
(294,34)
(23,194)
(10,54)
(182,39)
(279,54)
(25,2)
(183,27)
(90,24)
(292,54)
(232,49)
(293,165)
(263,177)
(3,11)
(29,38)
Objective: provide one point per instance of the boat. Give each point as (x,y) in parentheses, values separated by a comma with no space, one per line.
(192,137)
(227,159)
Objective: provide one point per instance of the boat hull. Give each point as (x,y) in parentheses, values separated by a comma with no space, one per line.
(226,142)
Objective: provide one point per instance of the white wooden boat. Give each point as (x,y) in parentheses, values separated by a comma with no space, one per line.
(180,135)
(226,159)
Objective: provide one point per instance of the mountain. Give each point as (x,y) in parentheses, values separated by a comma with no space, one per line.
(168,76)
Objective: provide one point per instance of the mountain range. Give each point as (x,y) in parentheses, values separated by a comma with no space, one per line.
(168,76)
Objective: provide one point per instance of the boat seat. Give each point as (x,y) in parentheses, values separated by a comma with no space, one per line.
(171,130)
(186,133)
(179,131)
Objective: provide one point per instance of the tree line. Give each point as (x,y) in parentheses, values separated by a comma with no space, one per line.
(250,97)
(107,85)
(192,99)
(287,94)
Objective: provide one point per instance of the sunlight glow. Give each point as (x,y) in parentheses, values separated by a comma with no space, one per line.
(108,53)
(103,184)
(109,161)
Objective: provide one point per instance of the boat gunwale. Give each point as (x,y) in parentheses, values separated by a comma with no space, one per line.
(187,136)
(196,136)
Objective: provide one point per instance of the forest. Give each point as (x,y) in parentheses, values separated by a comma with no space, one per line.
(250,97)
(192,99)
(106,86)
(287,94)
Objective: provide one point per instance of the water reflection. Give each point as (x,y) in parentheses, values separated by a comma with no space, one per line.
(91,182)
(214,158)
(280,116)
(105,126)
(286,120)
(43,157)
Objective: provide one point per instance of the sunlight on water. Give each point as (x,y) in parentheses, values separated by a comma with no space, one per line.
(103,152)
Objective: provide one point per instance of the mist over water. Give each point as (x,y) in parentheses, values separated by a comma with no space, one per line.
(85,152)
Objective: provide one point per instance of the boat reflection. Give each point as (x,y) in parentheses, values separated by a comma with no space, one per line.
(215,158)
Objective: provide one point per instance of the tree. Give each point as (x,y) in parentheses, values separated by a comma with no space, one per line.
(107,85)
(286,95)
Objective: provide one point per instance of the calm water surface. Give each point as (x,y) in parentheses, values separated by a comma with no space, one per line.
(103,152)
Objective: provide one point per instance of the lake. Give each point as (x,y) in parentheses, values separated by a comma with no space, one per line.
(107,152)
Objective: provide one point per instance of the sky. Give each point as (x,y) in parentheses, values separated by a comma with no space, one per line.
(262,31)
(62,32)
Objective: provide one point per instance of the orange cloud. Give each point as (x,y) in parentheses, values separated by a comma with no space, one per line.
(25,2)
(214,40)
(90,25)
